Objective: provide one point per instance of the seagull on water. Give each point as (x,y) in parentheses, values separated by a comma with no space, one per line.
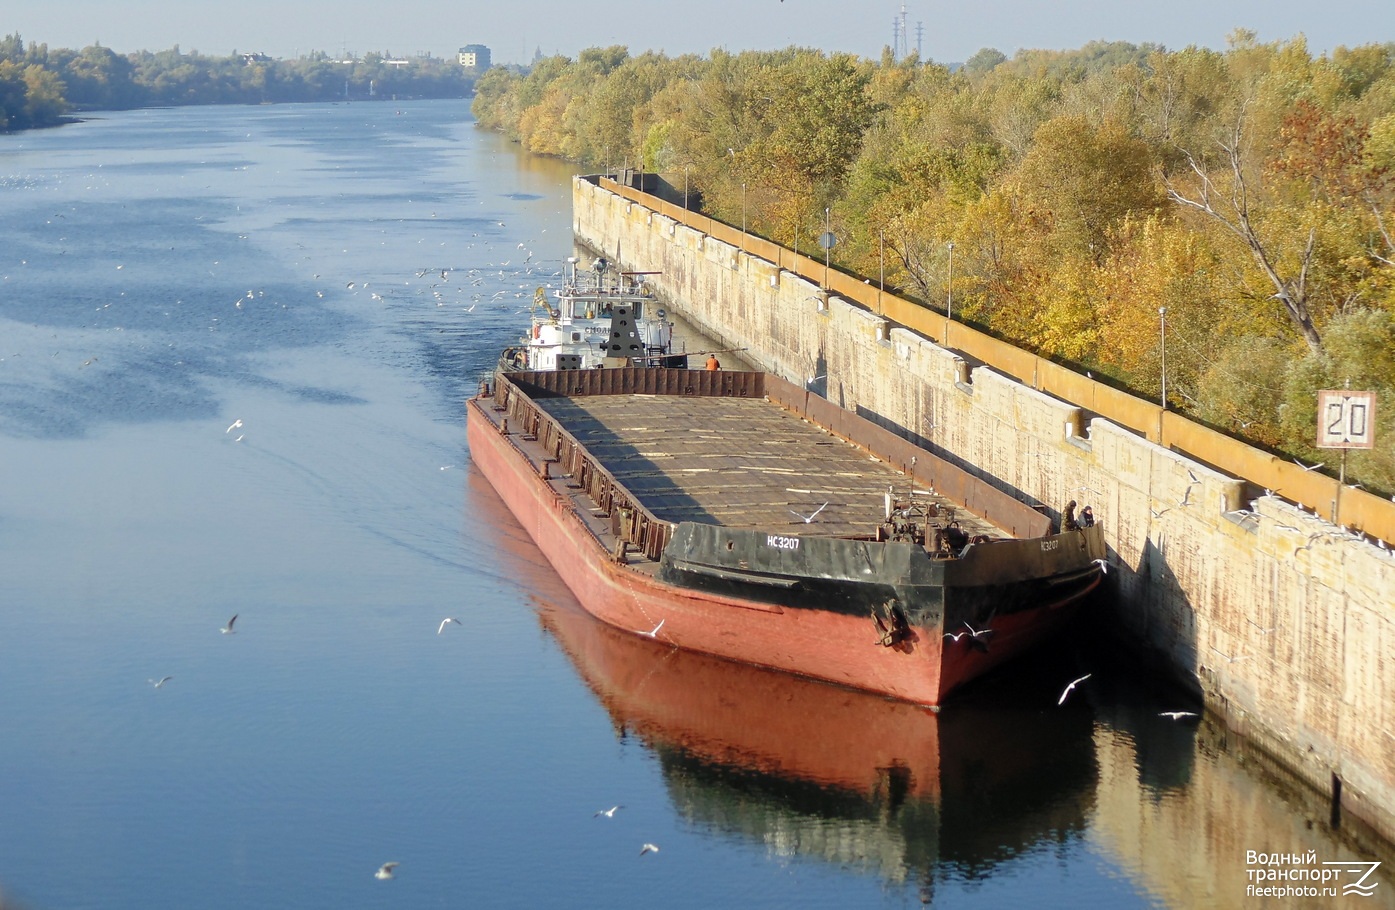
(608,813)
(810,517)
(445,622)
(1065,692)
(157,683)
(652,633)
(648,848)
(228,629)
(385,871)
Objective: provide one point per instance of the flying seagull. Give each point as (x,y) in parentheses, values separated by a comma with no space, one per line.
(648,848)
(385,871)
(235,424)
(228,629)
(608,813)
(157,683)
(444,622)
(1103,564)
(979,636)
(1177,715)
(1065,692)
(810,517)
(652,633)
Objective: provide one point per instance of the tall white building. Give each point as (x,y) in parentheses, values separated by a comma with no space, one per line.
(475,57)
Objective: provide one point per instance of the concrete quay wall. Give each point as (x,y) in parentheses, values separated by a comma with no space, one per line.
(1283,621)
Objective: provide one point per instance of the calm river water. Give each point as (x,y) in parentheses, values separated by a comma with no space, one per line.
(234,346)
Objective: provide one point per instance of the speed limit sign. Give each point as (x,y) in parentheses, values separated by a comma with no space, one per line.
(1346,419)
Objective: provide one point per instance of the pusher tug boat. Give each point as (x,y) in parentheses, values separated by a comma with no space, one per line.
(600,317)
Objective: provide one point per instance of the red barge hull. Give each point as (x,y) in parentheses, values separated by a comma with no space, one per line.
(667,580)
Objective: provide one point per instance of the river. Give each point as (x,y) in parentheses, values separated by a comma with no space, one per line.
(234,347)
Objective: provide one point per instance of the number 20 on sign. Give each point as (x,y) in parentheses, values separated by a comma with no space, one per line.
(1346,419)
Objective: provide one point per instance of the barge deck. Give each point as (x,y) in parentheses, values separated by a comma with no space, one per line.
(742,463)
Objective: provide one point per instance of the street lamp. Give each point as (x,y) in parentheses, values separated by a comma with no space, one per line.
(743,217)
(949,291)
(826,241)
(1162,349)
(685,188)
(881,257)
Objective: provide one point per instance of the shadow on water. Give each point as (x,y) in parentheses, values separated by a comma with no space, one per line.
(815,770)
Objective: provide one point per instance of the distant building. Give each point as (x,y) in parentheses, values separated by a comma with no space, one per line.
(475,57)
(249,59)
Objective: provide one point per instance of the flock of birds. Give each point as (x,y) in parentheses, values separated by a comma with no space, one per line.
(1170,715)
(388,870)
(980,638)
(506,281)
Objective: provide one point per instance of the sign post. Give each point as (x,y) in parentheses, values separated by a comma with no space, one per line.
(1345,420)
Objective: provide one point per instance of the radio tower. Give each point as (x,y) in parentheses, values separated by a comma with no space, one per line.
(898,35)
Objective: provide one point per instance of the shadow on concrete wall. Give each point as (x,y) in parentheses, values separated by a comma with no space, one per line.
(1153,619)
(934,448)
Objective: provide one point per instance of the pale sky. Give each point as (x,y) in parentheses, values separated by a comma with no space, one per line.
(512,29)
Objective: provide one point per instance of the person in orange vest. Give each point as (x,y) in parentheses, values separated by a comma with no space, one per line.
(713,363)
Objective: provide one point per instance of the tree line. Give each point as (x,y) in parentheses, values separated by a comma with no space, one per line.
(39,86)
(1223,219)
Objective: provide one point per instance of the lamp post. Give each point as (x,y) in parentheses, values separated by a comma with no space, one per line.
(949,291)
(685,187)
(881,256)
(826,242)
(1162,350)
(743,217)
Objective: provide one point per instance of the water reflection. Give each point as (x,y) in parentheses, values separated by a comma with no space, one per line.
(1180,808)
(808,769)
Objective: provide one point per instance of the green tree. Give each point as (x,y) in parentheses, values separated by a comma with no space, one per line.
(984,61)
(44,102)
(1081,180)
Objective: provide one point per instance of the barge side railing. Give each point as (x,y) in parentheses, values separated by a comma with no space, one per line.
(630,522)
